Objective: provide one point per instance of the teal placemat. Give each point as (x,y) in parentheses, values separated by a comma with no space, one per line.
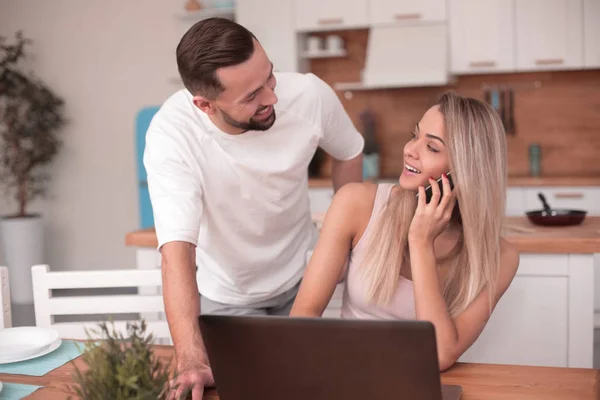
(40,366)
(15,391)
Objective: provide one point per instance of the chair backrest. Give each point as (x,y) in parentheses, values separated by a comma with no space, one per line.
(48,306)
(5,313)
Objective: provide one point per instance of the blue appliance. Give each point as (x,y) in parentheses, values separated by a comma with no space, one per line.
(143,118)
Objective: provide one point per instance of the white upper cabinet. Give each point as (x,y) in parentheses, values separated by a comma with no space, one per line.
(402,56)
(549,34)
(321,15)
(482,36)
(383,12)
(591,33)
(263,18)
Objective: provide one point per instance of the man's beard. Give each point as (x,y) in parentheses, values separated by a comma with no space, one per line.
(252,125)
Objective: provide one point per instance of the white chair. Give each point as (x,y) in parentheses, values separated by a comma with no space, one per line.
(5,313)
(48,306)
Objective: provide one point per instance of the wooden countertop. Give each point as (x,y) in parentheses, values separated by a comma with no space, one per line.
(528,238)
(512,181)
(142,238)
(478,381)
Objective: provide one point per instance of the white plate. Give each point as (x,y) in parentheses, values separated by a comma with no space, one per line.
(46,350)
(24,341)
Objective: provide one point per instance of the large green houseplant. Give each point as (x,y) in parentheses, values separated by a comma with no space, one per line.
(31,117)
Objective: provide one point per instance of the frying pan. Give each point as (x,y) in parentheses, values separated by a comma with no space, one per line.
(555,217)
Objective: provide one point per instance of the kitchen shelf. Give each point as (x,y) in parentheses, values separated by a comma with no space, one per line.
(224,12)
(325,54)
(376,86)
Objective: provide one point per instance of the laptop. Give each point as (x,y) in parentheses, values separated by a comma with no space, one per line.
(278,357)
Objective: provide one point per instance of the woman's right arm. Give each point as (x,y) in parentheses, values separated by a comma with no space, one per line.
(342,222)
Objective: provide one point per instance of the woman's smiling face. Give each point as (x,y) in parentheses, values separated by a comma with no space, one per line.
(426,154)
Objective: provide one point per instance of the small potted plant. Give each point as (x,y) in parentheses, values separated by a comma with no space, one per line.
(120,368)
(31,117)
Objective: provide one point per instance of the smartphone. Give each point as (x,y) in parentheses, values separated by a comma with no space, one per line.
(429,190)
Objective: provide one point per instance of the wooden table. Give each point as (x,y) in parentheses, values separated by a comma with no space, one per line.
(479,381)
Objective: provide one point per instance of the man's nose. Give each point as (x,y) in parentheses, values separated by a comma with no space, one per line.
(271,97)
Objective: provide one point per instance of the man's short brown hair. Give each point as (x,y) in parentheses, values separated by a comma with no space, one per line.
(208,45)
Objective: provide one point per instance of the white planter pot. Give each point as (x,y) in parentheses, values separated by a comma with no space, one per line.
(22,241)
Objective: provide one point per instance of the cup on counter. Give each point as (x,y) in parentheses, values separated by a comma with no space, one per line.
(314,44)
(335,43)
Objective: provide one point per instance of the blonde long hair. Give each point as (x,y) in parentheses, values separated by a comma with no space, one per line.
(477,156)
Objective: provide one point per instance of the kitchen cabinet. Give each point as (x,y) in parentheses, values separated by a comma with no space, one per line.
(320,198)
(263,17)
(399,11)
(322,15)
(549,34)
(407,56)
(591,33)
(515,202)
(545,317)
(482,36)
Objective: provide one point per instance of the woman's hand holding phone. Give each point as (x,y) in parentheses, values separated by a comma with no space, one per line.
(431,218)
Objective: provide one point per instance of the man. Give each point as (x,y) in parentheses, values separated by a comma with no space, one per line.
(227,163)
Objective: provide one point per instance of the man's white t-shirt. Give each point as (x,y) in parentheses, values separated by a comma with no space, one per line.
(243,199)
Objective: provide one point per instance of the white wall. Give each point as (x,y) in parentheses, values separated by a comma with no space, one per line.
(107,59)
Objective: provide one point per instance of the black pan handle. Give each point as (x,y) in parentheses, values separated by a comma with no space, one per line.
(544,202)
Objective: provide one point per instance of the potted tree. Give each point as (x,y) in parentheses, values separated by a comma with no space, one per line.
(31,116)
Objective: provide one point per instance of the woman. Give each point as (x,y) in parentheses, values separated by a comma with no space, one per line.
(404,258)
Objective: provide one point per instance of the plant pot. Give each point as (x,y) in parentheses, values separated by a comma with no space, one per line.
(22,244)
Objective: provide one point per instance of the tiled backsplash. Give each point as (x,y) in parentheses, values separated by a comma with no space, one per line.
(558,110)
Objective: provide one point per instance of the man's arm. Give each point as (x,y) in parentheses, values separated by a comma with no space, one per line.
(346,171)
(182,307)
(182,301)
(339,137)
(177,203)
